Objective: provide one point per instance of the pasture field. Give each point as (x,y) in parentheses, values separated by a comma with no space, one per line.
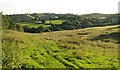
(95,47)
(55,21)
(47,23)
(35,25)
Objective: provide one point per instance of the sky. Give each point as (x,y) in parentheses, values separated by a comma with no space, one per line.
(59,6)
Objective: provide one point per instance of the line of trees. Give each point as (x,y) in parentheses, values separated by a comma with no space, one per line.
(36,30)
(9,24)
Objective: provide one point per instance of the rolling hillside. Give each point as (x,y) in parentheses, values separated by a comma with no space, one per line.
(95,47)
(30,17)
(48,16)
(97,15)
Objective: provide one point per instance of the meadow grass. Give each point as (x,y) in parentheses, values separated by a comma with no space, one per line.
(81,48)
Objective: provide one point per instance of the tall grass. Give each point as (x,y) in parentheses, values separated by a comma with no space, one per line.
(62,49)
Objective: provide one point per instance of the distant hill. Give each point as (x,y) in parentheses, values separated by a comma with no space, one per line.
(28,17)
(44,15)
(20,17)
(47,16)
(96,15)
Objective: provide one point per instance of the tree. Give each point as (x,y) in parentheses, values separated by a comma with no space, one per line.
(5,22)
(53,27)
(33,30)
(35,19)
(12,25)
(19,28)
(50,23)
(86,23)
(43,21)
(40,29)
(47,30)
(26,29)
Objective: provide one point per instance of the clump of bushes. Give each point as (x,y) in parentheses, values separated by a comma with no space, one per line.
(9,24)
(39,29)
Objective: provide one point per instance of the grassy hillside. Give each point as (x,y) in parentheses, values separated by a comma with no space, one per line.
(95,47)
(96,15)
(20,17)
(44,15)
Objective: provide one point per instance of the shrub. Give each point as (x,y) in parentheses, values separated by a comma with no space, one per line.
(19,28)
(40,29)
(47,30)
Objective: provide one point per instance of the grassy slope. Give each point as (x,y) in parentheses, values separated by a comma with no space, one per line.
(96,15)
(83,48)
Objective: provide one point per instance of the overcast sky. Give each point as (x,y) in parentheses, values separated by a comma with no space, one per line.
(59,6)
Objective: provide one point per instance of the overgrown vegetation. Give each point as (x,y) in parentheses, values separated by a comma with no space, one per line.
(63,49)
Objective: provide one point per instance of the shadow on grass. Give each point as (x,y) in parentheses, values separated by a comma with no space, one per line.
(113,35)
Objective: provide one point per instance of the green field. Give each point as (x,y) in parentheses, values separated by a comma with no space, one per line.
(34,25)
(95,47)
(55,21)
(39,24)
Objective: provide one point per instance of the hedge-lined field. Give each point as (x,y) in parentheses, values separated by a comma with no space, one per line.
(46,24)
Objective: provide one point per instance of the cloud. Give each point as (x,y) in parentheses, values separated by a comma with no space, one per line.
(59,6)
